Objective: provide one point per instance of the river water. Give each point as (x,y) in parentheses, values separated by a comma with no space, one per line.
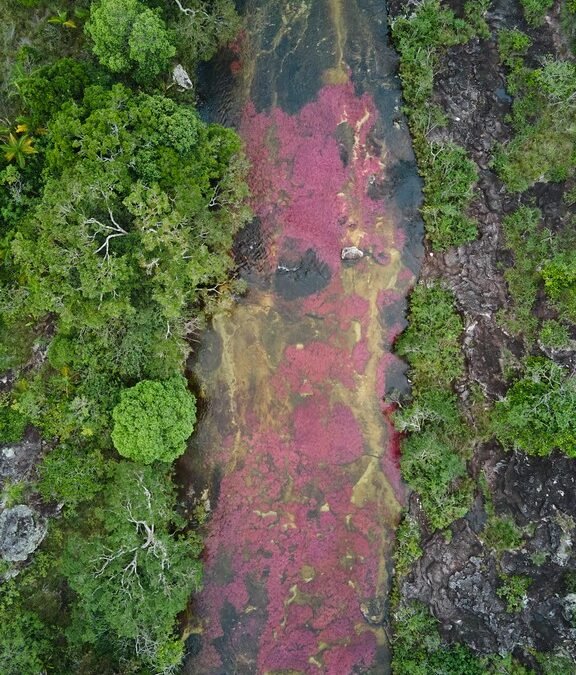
(306,491)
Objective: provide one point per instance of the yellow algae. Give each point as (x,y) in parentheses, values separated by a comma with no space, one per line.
(308,573)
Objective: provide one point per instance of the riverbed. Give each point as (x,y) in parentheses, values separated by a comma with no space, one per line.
(295,432)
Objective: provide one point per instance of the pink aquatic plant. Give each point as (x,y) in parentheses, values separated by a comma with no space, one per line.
(296,539)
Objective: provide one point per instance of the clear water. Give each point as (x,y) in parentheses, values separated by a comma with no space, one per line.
(306,488)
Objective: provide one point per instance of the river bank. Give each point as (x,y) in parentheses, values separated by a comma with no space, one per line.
(499,579)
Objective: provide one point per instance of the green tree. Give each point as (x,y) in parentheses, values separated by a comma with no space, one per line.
(538,413)
(136,571)
(153,420)
(128,36)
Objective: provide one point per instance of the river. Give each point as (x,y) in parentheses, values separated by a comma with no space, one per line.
(306,491)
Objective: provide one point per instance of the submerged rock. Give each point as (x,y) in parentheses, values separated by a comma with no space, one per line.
(374,611)
(21,532)
(351,253)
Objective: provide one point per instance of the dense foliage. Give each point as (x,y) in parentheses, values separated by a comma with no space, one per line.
(153,420)
(118,207)
(539,411)
(434,452)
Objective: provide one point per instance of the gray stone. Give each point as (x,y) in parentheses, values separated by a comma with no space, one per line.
(351,253)
(181,77)
(21,532)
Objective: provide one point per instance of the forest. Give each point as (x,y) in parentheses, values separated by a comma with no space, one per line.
(118,210)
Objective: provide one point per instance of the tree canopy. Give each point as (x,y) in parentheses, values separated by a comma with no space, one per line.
(154,420)
(130,37)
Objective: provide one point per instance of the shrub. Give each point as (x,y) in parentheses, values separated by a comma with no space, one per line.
(12,424)
(538,413)
(535,10)
(553,334)
(449,175)
(543,117)
(513,591)
(502,534)
(433,468)
(431,343)
(449,181)
(528,243)
(153,420)
(559,274)
(512,46)
(418,650)
(67,474)
(407,549)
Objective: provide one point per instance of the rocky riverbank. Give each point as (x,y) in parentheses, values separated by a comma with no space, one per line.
(493,594)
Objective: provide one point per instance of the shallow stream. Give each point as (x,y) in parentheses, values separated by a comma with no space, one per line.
(295,434)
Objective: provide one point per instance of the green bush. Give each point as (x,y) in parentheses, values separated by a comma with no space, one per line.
(559,274)
(538,413)
(418,650)
(12,424)
(154,420)
(437,472)
(535,10)
(528,243)
(449,175)
(553,334)
(431,343)
(512,46)
(502,534)
(448,188)
(407,548)
(544,121)
(69,475)
(513,591)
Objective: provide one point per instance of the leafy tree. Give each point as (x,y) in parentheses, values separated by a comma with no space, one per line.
(200,27)
(72,476)
(128,36)
(23,643)
(17,147)
(153,420)
(134,575)
(538,413)
(128,243)
(46,89)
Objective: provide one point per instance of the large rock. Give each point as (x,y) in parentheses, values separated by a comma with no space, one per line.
(181,77)
(21,532)
(17,459)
